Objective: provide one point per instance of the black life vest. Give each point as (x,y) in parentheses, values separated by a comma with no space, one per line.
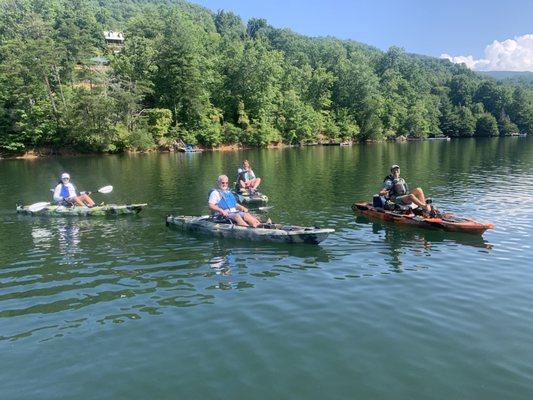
(399,186)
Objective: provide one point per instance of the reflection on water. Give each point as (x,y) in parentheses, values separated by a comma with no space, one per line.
(87,280)
(67,279)
(399,241)
(399,235)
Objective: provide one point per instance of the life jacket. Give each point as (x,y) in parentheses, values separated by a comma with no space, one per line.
(240,177)
(64,190)
(227,201)
(399,187)
(245,175)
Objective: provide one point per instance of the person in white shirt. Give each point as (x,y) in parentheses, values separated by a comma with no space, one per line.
(246,178)
(65,193)
(223,202)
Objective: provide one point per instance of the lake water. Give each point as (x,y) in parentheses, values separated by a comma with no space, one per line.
(125,308)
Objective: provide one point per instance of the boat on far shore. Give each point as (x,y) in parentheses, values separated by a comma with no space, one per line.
(440,137)
(189,149)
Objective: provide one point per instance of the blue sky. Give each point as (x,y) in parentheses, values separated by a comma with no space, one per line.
(431,27)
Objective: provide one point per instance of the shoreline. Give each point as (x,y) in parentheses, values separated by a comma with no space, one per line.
(48,152)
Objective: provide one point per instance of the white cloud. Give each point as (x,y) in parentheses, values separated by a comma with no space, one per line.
(510,55)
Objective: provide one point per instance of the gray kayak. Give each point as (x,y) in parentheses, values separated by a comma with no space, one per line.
(277,233)
(244,197)
(97,211)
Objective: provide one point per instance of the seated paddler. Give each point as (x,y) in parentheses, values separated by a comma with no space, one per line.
(396,190)
(246,179)
(65,193)
(222,202)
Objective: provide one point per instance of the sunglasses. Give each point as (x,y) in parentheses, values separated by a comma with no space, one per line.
(224,183)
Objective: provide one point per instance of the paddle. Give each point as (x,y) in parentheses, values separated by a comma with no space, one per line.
(36,207)
(265,209)
(105,189)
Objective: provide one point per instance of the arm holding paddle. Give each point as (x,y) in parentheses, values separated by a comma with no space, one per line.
(36,207)
(217,209)
(224,212)
(84,198)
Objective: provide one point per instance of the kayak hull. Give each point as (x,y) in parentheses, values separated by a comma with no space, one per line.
(276,233)
(97,211)
(448,222)
(256,198)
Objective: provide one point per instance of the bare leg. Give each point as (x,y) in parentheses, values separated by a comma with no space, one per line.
(76,201)
(411,198)
(85,199)
(250,219)
(239,221)
(419,194)
(256,182)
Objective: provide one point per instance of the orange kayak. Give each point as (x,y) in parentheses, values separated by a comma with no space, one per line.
(447,222)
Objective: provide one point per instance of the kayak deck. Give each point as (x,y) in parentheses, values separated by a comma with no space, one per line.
(447,222)
(277,233)
(103,210)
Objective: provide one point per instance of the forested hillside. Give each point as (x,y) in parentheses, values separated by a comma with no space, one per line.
(187,73)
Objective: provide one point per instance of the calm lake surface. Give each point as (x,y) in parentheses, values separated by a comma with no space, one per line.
(126,308)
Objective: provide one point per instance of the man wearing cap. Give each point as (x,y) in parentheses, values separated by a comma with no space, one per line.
(65,193)
(396,190)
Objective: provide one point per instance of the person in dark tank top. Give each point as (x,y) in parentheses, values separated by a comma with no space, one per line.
(396,190)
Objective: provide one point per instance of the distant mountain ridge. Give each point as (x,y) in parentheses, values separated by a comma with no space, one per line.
(507,74)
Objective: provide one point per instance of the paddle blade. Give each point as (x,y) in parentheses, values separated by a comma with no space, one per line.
(106,189)
(265,209)
(38,206)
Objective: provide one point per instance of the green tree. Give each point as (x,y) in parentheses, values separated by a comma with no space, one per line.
(487,125)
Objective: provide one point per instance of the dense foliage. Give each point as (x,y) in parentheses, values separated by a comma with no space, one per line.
(187,74)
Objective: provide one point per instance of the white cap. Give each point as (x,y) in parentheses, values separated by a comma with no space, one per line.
(65,175)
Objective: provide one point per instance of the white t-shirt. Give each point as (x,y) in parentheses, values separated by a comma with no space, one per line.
(215,197)
(57,191)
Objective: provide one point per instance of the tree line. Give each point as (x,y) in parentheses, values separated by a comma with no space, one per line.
(187,74)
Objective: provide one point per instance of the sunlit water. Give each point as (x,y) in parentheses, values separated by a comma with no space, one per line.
(125,308)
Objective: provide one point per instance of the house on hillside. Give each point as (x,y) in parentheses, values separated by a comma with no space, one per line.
(112,37)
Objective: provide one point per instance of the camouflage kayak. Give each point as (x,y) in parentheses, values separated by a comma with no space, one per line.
(104,210)
(244,197)
(277,233)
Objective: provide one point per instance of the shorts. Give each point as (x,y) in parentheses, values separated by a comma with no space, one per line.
(234,215)
(400,199)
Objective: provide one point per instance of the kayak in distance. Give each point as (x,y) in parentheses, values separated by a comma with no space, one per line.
(444,221)
(245,197)
(277,233)
(82,211)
